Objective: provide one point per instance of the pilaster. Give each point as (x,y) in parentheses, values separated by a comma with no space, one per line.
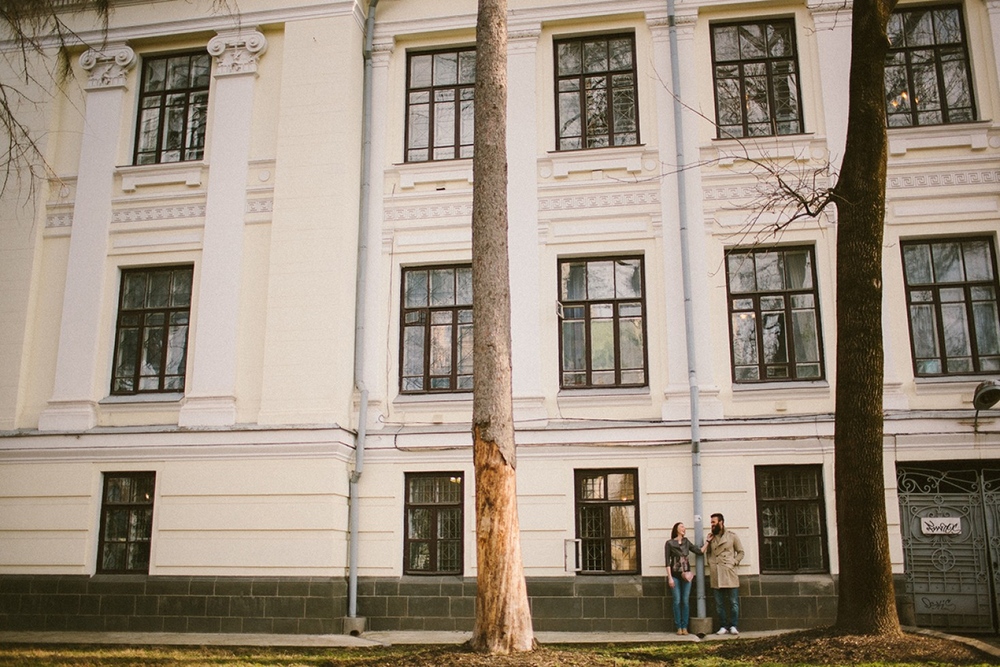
(522,234)
(833,38)
(211,388)
(73,406)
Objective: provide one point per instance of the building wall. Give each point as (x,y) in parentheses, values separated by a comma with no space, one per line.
(253,460)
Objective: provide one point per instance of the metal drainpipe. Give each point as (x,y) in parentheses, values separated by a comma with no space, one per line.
(359,317)
(692,360)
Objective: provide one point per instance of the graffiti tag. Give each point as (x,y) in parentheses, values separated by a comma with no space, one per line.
(930,525)
(938,605)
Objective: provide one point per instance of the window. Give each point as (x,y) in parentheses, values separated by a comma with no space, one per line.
(951,293)
(603,323)
(439,105)
(126,522)
(596,92)
(927,77)
(607,520)
(774,315)
(434,523)
(151,342)
(756,79)
(436,337)
(790,518)
(173,107)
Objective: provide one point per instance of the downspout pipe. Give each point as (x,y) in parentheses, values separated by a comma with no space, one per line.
(359,317)
(692,358)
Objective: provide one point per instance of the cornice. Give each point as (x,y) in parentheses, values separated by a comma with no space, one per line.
(212,22)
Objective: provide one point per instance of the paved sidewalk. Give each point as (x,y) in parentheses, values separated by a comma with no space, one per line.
(368,639)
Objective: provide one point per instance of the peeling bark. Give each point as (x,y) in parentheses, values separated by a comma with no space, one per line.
(503,617)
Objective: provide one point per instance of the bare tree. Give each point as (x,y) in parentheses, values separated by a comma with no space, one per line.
(866,603)
(30,32)
(503,617)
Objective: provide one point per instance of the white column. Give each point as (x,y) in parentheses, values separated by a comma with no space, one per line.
(73,406)
(211,387)
(833,39)
(522,225)
(677,392)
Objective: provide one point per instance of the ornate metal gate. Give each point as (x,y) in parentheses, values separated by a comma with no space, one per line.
(951,544)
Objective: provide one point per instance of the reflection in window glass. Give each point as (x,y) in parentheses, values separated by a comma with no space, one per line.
(951,290)
(602,323)
(434,523)
(927,75)
(790,518)
(436,330)
(774,315)
(607,513)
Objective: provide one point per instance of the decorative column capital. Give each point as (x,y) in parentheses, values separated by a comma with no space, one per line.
(107,67)
(237,51)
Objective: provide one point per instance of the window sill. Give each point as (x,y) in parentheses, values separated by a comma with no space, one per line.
(631,159)
(797,147)
(974,136)
(166,397)
(781,390)
(412,174)
(598,398)
(949,386)
(167,173)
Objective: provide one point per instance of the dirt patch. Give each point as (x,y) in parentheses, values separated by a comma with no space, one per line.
(822,647)
(810,647)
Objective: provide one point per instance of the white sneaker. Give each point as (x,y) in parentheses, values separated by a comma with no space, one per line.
(734,631)
(722,631)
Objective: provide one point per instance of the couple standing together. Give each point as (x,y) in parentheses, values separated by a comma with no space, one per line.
(724,552)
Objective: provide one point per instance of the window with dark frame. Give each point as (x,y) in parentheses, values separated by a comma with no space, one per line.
(596,92)
(928,80)
(607,521)
(434,523)
(791,519)
(154,309)
(173,108)
(951,295)
(436,330)
(756,73)
(126,522)
(774,322)
(440,105)
(602,322)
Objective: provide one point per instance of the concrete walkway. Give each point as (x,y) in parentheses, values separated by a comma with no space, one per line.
(987,644)
(368,639)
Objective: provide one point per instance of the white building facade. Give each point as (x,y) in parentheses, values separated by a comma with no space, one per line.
(253,224)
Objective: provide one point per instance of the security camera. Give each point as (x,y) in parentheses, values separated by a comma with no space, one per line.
(987,395)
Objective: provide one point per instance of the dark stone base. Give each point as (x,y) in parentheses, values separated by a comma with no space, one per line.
(135,603)
(319,606)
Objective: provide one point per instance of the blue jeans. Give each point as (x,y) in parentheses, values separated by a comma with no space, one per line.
(682,600)
(727,605)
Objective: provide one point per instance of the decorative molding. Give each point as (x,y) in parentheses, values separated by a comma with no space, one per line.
(107,67)
(944,179)
(59,220)
(237,52)
(632,159)
(604,200)
(158,213)
(260,206)
(432,212)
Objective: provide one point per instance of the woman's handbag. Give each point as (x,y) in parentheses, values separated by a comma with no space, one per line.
(682,567)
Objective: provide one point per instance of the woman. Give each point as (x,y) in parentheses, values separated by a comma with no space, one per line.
(680,572)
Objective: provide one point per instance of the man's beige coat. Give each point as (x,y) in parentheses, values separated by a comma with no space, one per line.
(724,553)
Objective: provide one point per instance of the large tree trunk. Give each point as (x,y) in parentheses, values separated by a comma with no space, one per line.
(503,617)
(867,603)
